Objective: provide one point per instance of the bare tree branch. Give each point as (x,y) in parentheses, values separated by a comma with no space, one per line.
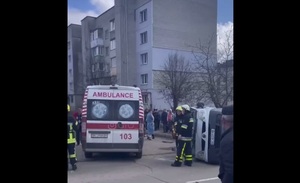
(175,80)
(217,78)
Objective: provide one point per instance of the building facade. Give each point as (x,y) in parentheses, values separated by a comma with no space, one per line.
(75,71)
(226,81)
(129,43)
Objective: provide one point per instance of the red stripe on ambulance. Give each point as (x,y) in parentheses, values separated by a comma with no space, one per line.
(107,126)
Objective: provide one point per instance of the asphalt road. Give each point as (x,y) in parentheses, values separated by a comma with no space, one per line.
(153,167)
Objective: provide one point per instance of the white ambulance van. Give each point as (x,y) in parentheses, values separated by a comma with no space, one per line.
(112,120)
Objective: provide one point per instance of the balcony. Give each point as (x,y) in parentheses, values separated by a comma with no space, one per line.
(98,58)
(97,42)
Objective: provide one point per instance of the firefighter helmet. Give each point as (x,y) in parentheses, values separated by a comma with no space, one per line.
(179,108)
(186,107)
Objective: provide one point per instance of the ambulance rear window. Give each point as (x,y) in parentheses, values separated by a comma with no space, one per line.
(112,110)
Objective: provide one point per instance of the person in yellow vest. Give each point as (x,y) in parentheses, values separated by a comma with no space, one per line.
(71,140)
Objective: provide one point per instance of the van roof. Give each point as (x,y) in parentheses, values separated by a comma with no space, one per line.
(109,86)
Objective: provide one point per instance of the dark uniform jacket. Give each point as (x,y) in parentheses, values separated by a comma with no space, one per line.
(186,127)
(226,157)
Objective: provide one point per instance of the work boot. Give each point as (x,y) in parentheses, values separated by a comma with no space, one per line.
(176,164)
(187,163)
(152,136)
(74,167)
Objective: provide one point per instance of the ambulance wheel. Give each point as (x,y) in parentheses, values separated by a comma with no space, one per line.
(139,155)
(88,154)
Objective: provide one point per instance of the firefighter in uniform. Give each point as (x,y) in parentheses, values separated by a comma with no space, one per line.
(177,123)
(185,132)
(71,140)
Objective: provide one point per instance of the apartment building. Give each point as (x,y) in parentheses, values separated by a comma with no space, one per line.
(129,43)
(75,71)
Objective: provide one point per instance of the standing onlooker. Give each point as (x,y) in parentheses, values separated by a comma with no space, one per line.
(200,105)
(170,119)
(164,120)
(150,125)
(226,146)
(156,119)
(145,115)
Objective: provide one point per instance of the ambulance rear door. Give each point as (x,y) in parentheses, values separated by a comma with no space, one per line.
(126,117)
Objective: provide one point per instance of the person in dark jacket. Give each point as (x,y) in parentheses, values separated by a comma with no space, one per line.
(226,146)
(185,134)
(156,119)
(200,105)
(164,120)
(78,116)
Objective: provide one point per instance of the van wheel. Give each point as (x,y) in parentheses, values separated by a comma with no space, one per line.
(88,155)
(139,155)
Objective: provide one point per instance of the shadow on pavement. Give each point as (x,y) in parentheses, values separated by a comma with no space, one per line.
(124,157)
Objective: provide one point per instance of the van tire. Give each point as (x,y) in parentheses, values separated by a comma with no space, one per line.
(139,155)
(88,155)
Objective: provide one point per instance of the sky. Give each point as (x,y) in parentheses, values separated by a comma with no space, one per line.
(78,9)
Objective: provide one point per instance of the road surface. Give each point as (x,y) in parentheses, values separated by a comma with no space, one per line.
(153,167)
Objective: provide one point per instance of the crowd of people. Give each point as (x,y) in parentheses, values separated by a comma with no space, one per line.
(153,119)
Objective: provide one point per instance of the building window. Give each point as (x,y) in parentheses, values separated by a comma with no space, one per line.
(71,99)
(69,45)
(97,67)
(94,34)
(107,51)
(143,15)
(101,66)
(106,34)
(113,62)
(112,25)
(69,58)
(145,99)
(98,33)
(144,58)
(143,37)
(71,85)
(70,71)
(112,44)
(101,50)
(95,51)
(144,78)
